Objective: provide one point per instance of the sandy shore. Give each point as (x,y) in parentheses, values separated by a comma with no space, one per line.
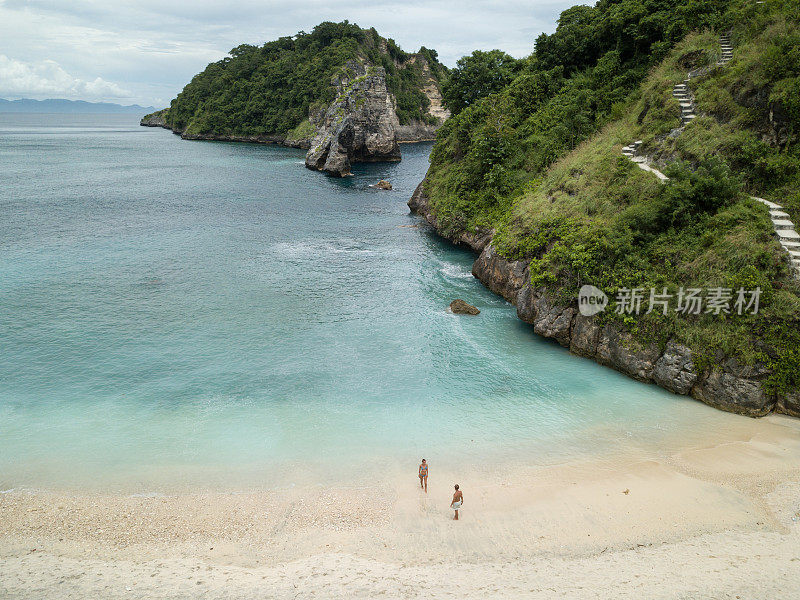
(720,520)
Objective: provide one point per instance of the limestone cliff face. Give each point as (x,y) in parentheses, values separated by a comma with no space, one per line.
(360,125)
(416,131)
(730,386)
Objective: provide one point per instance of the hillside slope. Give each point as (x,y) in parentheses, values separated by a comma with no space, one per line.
(534,179)
(280,92)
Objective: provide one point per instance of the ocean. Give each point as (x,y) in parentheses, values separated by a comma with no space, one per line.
(179,314)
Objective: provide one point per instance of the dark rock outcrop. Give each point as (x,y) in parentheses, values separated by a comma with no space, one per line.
(733,393)
(503,277)
(416,131)
(675,370)
(360,125)
(548,319)
(459,307)
(789,404)
(585,336)
(619,350)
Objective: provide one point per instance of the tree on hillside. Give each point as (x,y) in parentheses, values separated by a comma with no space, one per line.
(477,76)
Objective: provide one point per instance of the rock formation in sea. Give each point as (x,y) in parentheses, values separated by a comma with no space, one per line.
(360,125)
(460,307)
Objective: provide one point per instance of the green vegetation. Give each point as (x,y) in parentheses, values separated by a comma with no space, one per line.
(268,90)
(303,131)
(539,162)
(477,76)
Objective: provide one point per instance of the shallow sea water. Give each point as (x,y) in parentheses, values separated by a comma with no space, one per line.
(204,314)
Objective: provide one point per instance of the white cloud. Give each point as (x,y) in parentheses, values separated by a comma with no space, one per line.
(47,79)
(153,47)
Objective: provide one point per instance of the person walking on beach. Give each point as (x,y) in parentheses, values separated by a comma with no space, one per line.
(458,500)
(423,475)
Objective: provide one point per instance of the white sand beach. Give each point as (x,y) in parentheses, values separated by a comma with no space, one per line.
(714,520)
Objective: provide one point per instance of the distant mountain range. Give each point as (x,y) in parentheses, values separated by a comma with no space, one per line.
(26,105)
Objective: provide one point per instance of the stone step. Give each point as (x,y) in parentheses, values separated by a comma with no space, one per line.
(788,234)
(795,254)
(789,245)
(689,117)
(782,224)
(772,205)
(778,214)
(685,104)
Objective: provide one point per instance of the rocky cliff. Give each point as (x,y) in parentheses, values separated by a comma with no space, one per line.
(155,119)
(729,386)
(360,125)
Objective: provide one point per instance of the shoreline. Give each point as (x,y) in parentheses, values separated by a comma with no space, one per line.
(736,499)
(268,139)
(731,386)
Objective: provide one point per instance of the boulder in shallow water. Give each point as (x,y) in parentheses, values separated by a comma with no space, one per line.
(459,307)
(383,185)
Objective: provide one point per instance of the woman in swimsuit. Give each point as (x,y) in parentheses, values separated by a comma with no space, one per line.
(423,475)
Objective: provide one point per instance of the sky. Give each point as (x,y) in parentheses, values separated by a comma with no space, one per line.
(145,51)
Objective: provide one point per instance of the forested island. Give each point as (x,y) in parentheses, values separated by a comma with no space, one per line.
(345,92)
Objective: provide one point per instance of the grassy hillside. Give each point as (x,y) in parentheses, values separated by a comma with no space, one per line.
(540,163)
(268,90)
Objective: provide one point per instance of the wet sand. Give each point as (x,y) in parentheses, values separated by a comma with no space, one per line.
(714,520)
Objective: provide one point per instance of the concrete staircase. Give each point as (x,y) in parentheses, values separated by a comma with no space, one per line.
(631,150)
(786,232)
(784,228)
(727,49)
(686,100)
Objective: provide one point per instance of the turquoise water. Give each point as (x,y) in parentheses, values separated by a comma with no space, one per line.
(203,314)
